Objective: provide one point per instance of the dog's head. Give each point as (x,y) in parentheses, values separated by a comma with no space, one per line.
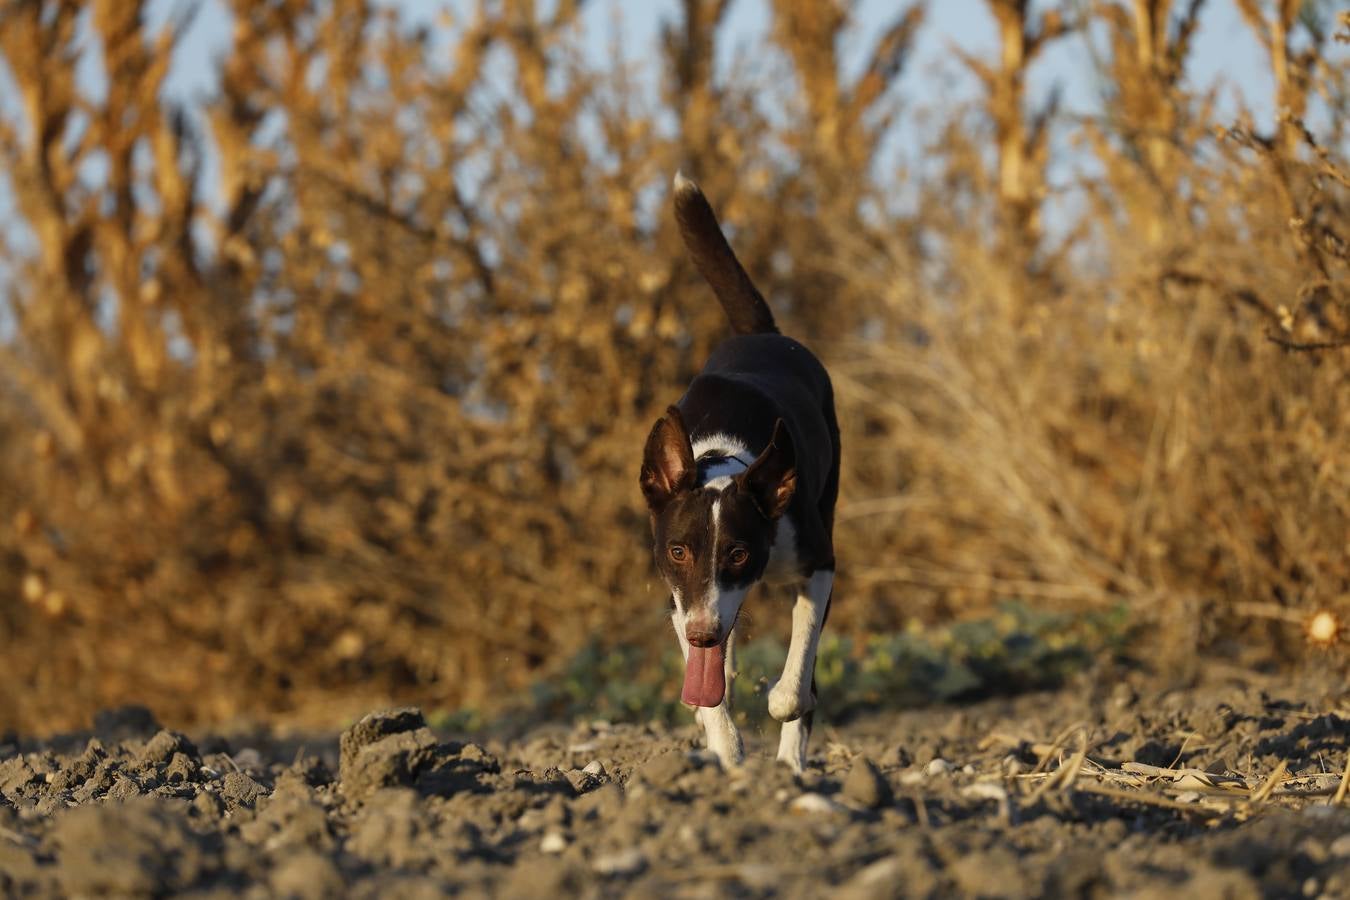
(712,542)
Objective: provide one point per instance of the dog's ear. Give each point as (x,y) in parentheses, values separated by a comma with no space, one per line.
(772,478)
(667,461)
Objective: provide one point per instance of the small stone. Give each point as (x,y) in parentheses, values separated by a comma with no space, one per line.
(866,786)
(1340,846)
(161,748)
(814,804)
(15,774)
(180,769)
(985,790)
(625,862)
(378,725)
(553,842)
(594,767)
(241,790)
(124,789)
(938,766)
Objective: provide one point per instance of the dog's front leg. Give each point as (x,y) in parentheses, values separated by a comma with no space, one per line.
(792,698)
(718,728)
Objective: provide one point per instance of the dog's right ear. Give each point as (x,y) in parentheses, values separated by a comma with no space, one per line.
(667,461)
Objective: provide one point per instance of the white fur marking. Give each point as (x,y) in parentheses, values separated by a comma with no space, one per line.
(713,599)
(791,697)
(792,745)
(720,444)
(735,459)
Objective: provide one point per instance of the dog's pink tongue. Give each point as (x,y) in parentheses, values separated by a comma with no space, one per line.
(704,680)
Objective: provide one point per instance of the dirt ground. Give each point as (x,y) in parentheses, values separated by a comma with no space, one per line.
(1108,787)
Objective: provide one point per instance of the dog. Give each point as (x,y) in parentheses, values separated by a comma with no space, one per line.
(740,477)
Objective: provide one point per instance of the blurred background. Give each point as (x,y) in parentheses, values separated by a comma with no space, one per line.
(330,332)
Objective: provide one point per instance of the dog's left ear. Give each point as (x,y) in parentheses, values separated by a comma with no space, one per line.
(772,478)
(667,461)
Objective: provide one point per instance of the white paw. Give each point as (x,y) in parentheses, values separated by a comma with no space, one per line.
(730,753)
(794,760)
(787,702)
(792,747)
(723,738)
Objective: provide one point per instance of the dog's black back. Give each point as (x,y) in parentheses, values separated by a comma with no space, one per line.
(758,377)
(748,384)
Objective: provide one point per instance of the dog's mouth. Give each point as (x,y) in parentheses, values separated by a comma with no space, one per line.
(704,675)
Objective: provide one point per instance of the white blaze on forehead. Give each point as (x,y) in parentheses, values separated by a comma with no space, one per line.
(716,515)
(725,603)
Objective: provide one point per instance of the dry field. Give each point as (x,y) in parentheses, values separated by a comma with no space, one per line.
(1231,788)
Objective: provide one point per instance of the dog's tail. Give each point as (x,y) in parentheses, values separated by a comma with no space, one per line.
(744,305)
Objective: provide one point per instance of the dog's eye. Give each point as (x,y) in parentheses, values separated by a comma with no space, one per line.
(738,556)
(678,552)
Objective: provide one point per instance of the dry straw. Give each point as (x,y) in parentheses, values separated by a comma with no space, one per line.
(359,418)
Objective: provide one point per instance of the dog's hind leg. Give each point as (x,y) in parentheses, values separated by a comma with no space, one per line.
(718,727)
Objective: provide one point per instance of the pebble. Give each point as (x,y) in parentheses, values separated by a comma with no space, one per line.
(937,766)
(985,790)
(241,790)
(814,804)
(866,786)
(1340,846)
(594,767)
(553,842)
(165,745)
(624,862)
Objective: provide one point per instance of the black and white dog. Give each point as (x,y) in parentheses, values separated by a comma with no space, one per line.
(741,477)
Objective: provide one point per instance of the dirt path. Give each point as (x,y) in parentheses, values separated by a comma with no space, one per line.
(1061,794)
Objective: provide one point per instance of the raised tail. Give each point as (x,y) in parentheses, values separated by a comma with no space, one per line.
(744,305)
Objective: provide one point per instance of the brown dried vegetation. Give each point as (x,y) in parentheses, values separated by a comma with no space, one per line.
(366,421)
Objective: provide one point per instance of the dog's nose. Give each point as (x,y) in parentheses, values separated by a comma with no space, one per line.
(701,637)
